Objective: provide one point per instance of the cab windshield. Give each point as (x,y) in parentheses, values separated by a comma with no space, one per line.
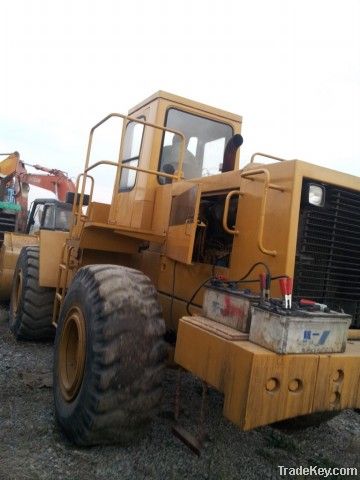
(205,142)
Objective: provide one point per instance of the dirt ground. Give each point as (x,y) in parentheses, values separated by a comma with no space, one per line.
(32,446)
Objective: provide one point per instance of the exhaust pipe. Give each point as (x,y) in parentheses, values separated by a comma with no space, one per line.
(230,152)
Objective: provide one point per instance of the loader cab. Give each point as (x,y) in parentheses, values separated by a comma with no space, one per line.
(49,214)
(139,197)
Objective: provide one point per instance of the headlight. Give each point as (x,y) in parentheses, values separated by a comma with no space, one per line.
(316,195)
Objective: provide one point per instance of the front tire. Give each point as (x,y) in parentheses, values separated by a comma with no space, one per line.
(109,356)
(31,306)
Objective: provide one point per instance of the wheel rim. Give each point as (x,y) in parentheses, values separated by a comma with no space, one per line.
(72,353)
(16,293)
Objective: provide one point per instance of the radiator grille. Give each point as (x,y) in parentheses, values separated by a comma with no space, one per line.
(327,265)
(7,221)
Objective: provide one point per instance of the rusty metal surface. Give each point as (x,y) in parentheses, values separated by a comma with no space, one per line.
(313,333)
(229,307)
(187,438)
(194,442)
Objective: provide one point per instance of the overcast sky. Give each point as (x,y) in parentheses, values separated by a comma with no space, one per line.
(291,68)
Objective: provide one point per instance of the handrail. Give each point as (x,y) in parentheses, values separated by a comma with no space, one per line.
(146,124)
(226,212)
(77,209)
(267,185)
(129,167)
(119,164)
(59,297)
(266,155)
(101,162)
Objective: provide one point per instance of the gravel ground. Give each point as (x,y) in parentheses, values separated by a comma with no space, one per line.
(32,446)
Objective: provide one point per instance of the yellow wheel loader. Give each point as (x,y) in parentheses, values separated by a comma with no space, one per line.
(188,233)
(19,229)
(31,305)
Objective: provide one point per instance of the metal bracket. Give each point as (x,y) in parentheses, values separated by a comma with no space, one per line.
(194,442)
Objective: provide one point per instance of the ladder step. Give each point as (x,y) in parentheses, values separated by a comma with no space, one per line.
(59,296)
(62,266)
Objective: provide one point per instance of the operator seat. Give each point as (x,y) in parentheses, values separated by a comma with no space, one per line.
(170,161)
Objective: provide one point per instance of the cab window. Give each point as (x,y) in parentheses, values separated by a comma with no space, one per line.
(131,154)
(49,217)
(36,222)
(63,219)
(205,142)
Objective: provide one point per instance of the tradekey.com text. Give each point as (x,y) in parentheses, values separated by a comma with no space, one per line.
(318,471)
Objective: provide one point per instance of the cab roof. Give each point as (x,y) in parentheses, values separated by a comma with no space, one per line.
(185,102)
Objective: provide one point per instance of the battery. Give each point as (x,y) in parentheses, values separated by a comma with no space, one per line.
(299,331)
(229,306)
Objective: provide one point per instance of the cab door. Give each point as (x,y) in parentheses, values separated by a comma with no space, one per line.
(130,189)
(183,221)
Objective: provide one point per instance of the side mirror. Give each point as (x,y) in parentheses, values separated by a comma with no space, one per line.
(70,196)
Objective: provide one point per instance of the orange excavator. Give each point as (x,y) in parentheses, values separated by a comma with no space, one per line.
(15,184)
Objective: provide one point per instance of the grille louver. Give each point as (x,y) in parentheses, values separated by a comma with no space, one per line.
(327,265)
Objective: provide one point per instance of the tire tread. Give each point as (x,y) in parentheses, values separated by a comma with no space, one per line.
(127,357)
(33,319)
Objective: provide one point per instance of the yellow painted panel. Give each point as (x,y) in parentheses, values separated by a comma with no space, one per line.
(179,242)
(167,98)
(337,376)
(203,354)
(281,386)
(98,212)
(142,214)
(180,238)
(96,238)
(51,243)
(280,224)
(262,387)
(160,219)
(9,253)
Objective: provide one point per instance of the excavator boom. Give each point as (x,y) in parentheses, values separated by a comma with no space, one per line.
(58,184)
(15,181)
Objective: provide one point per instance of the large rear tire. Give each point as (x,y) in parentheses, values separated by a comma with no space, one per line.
(31,306)
(109,356)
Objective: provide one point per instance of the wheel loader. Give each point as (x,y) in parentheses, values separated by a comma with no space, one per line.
(18,227)
(187,218)
(46,214)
